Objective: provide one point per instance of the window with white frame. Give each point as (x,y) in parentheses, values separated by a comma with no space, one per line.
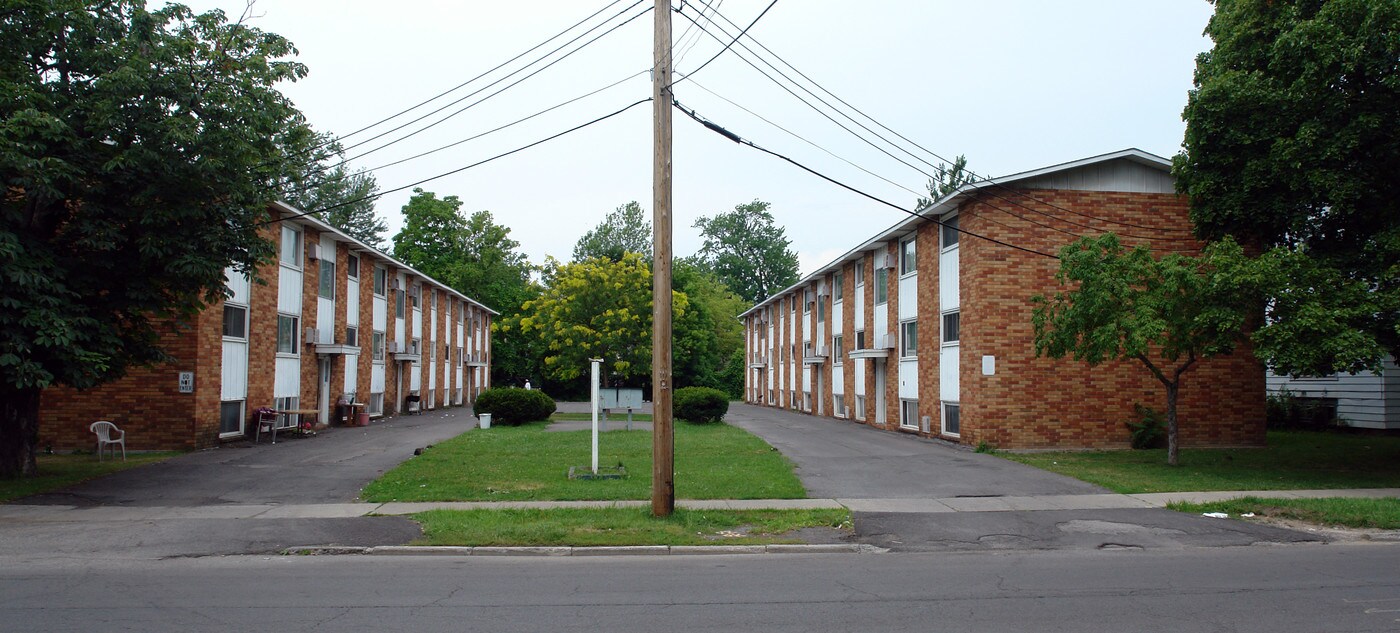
(909,414)
(231,417)
(882,286)
(326,288)
(287,403)
(906,256)
(352,266)
(376,403)
(949,232)
(908,338)
(860,272)
(377,343)
(352,336)
(952,326)
(291,247)
(807,401)
(952,418)
(860,407)
(838,349)
(806,301)
(836,286)
(398,303)
(287,334)
(840,406)
(821,309)
(860,339)
(235,321)
(381,282)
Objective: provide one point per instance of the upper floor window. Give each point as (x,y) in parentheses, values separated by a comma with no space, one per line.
(908,338)
(860,272)
(352,266)
(838,349)
(806,301)
(821,309)
(906,256)
(949,232)
(882,287)
(399,303)
(287,334)
(326,288)
(836,281)
(291,246)
(235,321)
(381,281)
(952,324)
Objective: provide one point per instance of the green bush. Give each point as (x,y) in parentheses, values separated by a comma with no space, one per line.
(1285,411)
(700,405)
(510,406)
(1149,430)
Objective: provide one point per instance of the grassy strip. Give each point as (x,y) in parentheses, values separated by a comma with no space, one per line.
(61,471)
(1383,514)
(588,417)
(620,526)
(525,463)
(1293,460)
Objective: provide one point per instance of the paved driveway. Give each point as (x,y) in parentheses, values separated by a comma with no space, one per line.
(845,460)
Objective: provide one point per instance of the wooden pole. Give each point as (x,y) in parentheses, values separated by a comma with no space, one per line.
(663,485)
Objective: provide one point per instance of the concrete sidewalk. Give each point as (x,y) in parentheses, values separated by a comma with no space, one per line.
(1086,502)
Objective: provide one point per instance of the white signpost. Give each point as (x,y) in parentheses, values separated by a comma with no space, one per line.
(595,362)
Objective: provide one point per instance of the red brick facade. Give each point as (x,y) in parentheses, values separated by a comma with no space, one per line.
(148,405)
(1025,402)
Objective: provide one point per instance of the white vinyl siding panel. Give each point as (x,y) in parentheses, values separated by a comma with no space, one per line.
(238,285)
(909,379)
(948,373)
(288,290)
(948,280)
(235,371)
(352,376)
(838,380)
(860,366)
(1117,175)
(287,383)
(908,297)
(1365,400)
(352,303)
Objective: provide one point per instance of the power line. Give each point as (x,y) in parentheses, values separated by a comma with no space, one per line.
(726,46)
(974,175)
(686,48)
(459,169)
(714,127)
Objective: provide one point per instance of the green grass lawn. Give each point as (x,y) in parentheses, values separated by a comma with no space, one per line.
(1381,514)
(620,526)
(612,417)
(61,471)
(525,463)
(1293,460)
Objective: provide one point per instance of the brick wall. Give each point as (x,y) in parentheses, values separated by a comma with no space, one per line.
(1035,402)
(926,248)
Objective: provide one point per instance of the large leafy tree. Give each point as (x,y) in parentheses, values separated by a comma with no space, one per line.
(748,251)
(597,308)
(1292,148)
(710,333)
(433,235)
(346,196)
(625,230)
(1167,314)
(139,150)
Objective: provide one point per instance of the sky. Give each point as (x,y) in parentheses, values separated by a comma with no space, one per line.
(1013,85)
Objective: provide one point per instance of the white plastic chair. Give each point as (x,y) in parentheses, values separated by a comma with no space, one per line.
(105,431)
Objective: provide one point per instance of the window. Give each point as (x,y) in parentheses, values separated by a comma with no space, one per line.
(287,334)
(460,358)
(951,325)
(398,303)
(860,272)
(952,418)
(352,335)
(415,346)
(291,246)
(882,287)
(352,266)
(840,409)
(231,417)
(906,256)
(908,338)
(807,401)
(838,352)
(235,321)
(381,281)
(836,280)
(287,403)
(860,407)
(821,309)
(377,342)
(806,301)
(909,414)
(376,404)
(327,287)
(949,232)
(860,339)
(417,296)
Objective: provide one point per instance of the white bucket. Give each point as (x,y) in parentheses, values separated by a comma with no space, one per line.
(485,420)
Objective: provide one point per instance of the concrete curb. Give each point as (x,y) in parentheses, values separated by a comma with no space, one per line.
(627,550)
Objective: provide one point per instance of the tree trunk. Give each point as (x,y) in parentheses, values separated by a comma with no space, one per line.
(19,431)
(1171,421)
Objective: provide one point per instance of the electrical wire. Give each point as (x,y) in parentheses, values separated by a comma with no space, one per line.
(974,175)
(716,128)
(455,171)
(726,46)
(682,45)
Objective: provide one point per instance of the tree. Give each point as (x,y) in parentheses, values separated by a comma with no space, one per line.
(140,151)
(1292,148)
(348,196)
(710,333)
(596,308)
(946,179)
(626,230)
(748,251)
(433,235)
(1166,313)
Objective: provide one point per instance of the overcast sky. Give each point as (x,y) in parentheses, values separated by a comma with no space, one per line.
(1013,85)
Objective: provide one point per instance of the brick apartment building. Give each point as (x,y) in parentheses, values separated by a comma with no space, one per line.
(330,319)
(924,330)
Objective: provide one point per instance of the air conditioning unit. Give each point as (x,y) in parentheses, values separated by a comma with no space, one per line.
(887,341)
(313,336)
(823,290)
(394,283)
(395,347)
(883,261)
(313,251)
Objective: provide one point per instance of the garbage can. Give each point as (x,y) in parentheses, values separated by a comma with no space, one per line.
(364,419)
(485,420)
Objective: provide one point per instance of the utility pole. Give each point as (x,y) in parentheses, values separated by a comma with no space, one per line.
(663,472)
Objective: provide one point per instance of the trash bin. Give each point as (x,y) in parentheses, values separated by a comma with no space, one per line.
(485,420)
(364,419)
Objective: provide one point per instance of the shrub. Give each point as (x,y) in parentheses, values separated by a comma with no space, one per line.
(1287,411)
(510,406)
(700,405)
(1149,430)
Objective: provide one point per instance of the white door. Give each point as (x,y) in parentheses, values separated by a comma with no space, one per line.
(324,407)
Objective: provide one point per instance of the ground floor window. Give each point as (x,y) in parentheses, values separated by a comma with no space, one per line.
(287,403)
(231,417)
(771,399)
(807,401)
(432,399)
(840,406)
(909,413)
(860,407)
(458,398)
(952,422)
(792,399)
(376,403)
